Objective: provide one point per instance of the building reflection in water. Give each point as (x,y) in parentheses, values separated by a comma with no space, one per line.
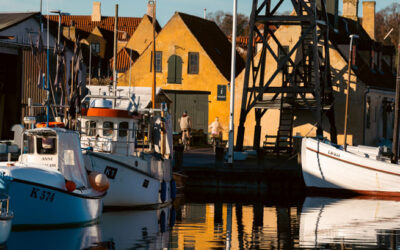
(234,226)
(318,223)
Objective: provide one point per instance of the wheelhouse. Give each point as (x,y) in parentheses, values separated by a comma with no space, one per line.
(109,130)
(55,148)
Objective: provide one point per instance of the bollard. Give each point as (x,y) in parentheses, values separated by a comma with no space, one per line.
(9,157)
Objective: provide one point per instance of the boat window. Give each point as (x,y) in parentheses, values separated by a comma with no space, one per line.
(46,145)
(29,144)
(90,128)
(123,129)
(108,128)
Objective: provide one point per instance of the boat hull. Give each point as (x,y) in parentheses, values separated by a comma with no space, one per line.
(330,169)
(129,187)
(37,204)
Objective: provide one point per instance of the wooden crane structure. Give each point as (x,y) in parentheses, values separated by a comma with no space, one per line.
(306,81)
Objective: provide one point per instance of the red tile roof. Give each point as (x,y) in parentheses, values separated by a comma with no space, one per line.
(84,23)
(242,41)
(125,58)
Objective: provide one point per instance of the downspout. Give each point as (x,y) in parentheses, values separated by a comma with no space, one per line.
(365,113)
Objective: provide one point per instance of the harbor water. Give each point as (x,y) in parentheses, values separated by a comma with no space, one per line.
(231,222)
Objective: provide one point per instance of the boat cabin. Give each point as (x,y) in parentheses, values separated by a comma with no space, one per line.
(55,148)
(109,130)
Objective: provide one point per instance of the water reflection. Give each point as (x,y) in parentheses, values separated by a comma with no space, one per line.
(148,229)
(313,222)
(63,238)
(328,222)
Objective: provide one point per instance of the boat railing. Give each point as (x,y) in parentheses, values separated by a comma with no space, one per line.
(114,140)
(4,206)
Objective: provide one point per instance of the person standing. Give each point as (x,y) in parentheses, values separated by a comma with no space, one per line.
(216,133)
(186,126)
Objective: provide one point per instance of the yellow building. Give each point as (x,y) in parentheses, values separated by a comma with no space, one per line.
(143,34)
(371,89)
(192,66)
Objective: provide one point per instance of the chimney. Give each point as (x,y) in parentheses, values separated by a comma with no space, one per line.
(96,13)
(150,9)
(368,20)
(350,9)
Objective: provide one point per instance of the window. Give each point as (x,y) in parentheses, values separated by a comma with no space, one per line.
(29,144)
(158,61)
(90,128)
(174,69)
(123,129)
(95,48)
(108,128)
(193,63)
(46,145)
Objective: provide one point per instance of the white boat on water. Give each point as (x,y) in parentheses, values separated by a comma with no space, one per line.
(347,221)
(49,184)
(358,170)
(137,178)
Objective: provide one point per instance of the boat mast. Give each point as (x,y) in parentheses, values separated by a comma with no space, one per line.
(395,145)
(115,56)
(232,89)
(153,90)
(350,61)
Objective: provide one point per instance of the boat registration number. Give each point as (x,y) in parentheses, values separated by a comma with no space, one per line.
(110,172)
(42,195)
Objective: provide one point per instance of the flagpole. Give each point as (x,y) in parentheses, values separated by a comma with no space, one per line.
(232,83)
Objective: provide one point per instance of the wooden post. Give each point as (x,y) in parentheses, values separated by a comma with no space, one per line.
(350,61)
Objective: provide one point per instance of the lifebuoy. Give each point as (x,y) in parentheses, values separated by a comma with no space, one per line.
(51,125)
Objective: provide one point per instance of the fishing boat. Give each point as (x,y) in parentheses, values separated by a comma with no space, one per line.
(333,221)
(49,184)
(137,177)
(357,170)
(352,169)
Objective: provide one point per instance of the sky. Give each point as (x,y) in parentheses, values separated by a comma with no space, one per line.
(137,8)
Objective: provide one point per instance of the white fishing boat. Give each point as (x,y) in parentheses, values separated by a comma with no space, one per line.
(49,184)
(347,221)
(358,170)
(137,178)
